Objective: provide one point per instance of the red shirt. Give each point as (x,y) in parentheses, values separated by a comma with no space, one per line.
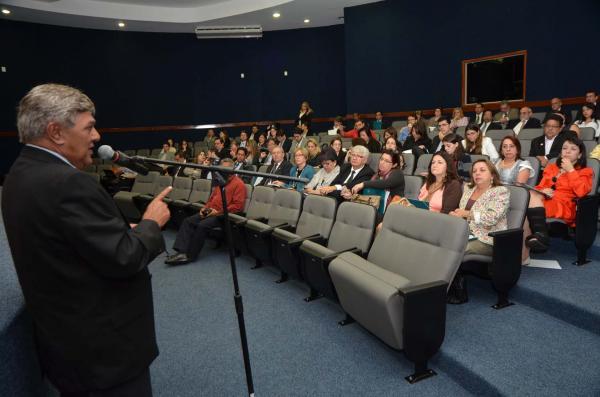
(235,192)
(354,134)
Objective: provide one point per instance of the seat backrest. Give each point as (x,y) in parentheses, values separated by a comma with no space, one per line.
(535,164)
(587,134)
(374,160)
(161,183)
(475,157)
(353,228)
(423,163)
(525,146)
(182,187)
(412,186)
(285,208)
(155,152)
(530,133)
(201,189)
(409,163)
(144,184)
(318,215)
(398,124)
(260,204)
(129,152)
(498,134)
(460,131)
(422,246)
(248,196)
(589,146)
(595,165)
(517,207)
(539,115)
(143,152)
(263,168)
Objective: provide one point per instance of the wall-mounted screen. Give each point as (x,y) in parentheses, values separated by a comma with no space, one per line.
(494,78)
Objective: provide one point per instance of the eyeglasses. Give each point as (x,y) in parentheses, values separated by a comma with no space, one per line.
(385,160)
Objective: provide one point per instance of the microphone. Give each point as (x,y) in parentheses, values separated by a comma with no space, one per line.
(107,153)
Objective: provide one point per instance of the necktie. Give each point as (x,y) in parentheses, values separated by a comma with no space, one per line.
(351,177)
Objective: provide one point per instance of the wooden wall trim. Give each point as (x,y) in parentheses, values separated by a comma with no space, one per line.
(389,115)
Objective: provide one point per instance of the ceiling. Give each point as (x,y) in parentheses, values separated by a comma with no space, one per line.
(178,16)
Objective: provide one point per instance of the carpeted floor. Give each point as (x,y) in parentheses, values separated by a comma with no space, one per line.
(547,344)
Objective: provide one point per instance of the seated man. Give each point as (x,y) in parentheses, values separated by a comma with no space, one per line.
(282,141)
(299,140)
(556,107)
(506,113)
(525,121)
(352,173)
(240,163)
(549,145)
(279,166)
(243,139)
(177,170)
(488,123)
(405,131)
(194,229)
(221,151)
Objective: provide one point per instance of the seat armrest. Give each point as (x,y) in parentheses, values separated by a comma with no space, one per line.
(503,233)
(331,257)
(424,322)
(262,220)
(288,228)
(505,268)
(297,242)
(271,228)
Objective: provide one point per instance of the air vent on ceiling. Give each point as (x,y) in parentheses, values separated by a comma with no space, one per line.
(229,32)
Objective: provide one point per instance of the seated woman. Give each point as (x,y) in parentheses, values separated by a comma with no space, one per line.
(392,144)
(433,122)
(442,188)
(458,119)
(197,173)
(588,120)
(452,145)
(389,178)
(418,142)
(340,152)
(563,181)
(329,170)
(370,142)
(313,152)
(390,132)
(476,143)
(300,169)
(511,167)
(484,204)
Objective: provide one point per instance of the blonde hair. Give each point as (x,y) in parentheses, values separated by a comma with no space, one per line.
(313,141)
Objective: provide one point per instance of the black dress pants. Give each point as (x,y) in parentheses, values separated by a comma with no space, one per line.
(192,233)
(140,386)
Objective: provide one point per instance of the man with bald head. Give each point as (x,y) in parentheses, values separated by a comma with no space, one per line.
(556,107)
(525,121)
(279,166)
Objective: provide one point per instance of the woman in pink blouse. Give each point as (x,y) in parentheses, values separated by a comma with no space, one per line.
(442,188)
(458,119)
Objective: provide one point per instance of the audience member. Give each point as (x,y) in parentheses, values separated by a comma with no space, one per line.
(300,169)
(252,149)
(444,129)
(437,114)
(209,139)
(488,123)
(478,114)
(358,125)
(240,158)
(305,115)
(561,183)
(525,121)
(339,151)
(443,187)
(225,138)
(279,166)
(177,170)
(418,141)
(166,153)
(186,150)
(299,140)
(282,141)
(356,171)
(313,151)
(194,229)
(458,119)
(389,178)
(506,113)
(392,144)
(476,143)
(196,173)
(405,131)
(172,147)
(588,119)
(371,143)
(556,107)
(549,145)
(233,149)
(378,123)
(511,166)
(452,144)
(484,204)
(325,175)
(221,151)
(254,133)
(243,139)
(591,97)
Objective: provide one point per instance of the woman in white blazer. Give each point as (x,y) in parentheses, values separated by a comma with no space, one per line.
(476,143)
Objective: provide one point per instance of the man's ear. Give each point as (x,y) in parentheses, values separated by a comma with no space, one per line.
(54,132)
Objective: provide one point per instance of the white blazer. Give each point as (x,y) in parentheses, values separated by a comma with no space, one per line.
(487,148)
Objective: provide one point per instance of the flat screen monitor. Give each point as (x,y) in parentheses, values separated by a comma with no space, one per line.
(495,78)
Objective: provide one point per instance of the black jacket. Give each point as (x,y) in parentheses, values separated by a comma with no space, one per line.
(83,273)
(538,145)
(531,123)
(364,175)
(394,183)
(283,169)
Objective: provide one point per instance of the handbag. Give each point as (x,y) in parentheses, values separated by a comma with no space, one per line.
(372,200)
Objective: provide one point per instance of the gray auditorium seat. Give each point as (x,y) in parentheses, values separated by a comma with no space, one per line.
(182,187)
(504,266)
(249,189)
(537,169)
(315,223)
(130,152)
(587,134)
(525,146)
(586,217)
(374,161)
(201,190)
(530,133)
(144,184)
(589,146)
(260,204)
(498,134)
(539,115)
(142,200)
(460,131)
(409,163)
(423,164)
(155,152)
(398,124)
(284,213)
(475,157)
(398,292)
(352,231)
(412,186)
(143,152)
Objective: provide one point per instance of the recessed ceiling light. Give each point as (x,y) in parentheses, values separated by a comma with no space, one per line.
(276,15)
(121,24)
(307,20)
(5,11)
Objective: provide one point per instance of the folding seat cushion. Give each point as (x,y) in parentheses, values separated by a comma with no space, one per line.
(399,292)
(284,211)
(353,230)
(315,223)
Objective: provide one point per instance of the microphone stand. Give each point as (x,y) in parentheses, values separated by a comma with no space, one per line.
(221,181)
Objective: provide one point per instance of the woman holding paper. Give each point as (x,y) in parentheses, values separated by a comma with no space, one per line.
(561,183)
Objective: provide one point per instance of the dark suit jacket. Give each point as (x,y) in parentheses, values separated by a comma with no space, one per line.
(473,116)
(364,175)
(284,169)
(287,144)
(495,126)
(538,145)
(531,123)
(82,271)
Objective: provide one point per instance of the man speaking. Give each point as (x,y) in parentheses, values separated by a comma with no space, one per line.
(82,269)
